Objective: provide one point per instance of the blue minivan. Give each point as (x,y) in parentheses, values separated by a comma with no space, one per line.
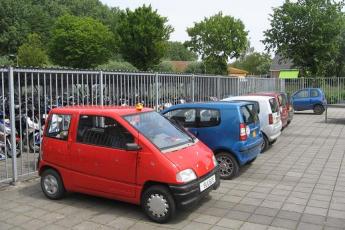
(230,129)
(309,99)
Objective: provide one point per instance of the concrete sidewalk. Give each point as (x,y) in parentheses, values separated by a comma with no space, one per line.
(297,184)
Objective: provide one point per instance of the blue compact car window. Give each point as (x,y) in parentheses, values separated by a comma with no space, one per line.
(302,94)
(186,117)
(209,117)
(314,93)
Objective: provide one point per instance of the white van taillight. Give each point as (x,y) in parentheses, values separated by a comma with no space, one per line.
(270,118)
(243,132)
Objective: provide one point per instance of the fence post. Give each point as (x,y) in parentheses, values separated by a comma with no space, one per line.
(338,101)
(238,86)
(218,88)
(193,87)
(102,90)
(13,128)
(157,91)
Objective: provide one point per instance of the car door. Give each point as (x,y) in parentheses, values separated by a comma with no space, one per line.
(101,161)
(315,97)
(208,127)
(57,140)
(301,100)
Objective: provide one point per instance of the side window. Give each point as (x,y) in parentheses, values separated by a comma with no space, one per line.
(102,131)
(314,93)
(209,117)
(185,117)
(59,126)
(302,94)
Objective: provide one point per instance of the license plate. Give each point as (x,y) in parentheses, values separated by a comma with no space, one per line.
(254,133)
(207,183)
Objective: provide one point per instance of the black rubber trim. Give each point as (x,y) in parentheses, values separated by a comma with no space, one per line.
(189,194)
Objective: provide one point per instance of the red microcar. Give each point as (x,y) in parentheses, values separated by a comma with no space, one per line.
(125,153)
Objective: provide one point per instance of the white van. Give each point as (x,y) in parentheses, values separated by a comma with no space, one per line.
(269,115)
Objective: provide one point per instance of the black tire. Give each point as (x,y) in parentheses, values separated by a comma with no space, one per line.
(53,178)
(158,193)
(318,109)
(265,144)
(228,165)
(274,141)
(251,161)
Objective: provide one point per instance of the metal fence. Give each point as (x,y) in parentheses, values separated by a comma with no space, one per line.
(27,95)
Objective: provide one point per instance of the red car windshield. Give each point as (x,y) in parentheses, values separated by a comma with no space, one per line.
(160,131)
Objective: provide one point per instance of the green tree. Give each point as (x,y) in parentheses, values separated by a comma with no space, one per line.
(217,39)
(143,34)
(255,63)
(307,32)
(80,42)
(177,51)
(32,52)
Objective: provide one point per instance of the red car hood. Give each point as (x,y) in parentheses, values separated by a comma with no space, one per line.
(197,157)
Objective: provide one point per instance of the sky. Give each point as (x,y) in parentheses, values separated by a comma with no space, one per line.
(183,13)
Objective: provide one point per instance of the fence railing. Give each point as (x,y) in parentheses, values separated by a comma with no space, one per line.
(27,96)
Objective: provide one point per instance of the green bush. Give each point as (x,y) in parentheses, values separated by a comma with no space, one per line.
(117,65)
(196,67)
(5,61)
(164,67)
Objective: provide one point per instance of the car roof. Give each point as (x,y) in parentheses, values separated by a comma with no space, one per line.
(120,110)
(266,93)
(250,97)
(213,104)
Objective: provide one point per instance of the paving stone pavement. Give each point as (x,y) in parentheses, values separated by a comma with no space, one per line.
(297,184)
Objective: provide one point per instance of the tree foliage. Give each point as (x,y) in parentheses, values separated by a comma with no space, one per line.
(80,42)
(196,68)
(217,39)
(177,51)
(143,34)
(255,63)
(32,52)
(308,32)
(20,18)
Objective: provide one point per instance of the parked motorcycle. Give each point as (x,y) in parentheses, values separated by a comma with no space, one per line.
(5,138)
(30,131)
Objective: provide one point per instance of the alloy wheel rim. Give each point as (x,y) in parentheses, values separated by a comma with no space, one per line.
(158,205)
(50,184)
(226,166)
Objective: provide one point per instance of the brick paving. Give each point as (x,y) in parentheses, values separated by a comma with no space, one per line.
(297,184)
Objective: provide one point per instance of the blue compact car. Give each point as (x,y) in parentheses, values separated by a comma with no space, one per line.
(230,129)
(309,99)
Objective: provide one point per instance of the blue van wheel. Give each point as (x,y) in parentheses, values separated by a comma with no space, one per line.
(228,166)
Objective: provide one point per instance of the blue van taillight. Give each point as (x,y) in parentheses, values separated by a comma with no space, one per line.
(243,132)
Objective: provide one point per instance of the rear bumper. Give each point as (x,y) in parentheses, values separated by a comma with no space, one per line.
(189,194)
(248,148)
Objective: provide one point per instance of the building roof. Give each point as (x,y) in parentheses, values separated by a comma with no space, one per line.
(280,63)
(233,70)
(180,66)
